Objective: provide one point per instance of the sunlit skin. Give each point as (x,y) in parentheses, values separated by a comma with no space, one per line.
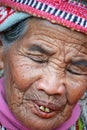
(48,67)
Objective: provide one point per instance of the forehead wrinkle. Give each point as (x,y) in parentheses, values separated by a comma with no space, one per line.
(56,35)
(49,35)
(75,51)
(48,31)
(44,28)
(46,42)
(80,48)
(75,45)
(46,25)
(46,38)
(69,48)
(84,44)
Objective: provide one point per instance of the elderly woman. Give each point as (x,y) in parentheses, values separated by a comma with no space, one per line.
(45,64)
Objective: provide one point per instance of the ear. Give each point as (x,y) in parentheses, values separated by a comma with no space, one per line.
(1,59)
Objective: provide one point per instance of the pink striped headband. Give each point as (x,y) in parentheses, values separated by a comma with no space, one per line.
(69,13)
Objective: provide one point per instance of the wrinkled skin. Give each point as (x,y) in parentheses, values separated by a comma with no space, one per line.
(48,65)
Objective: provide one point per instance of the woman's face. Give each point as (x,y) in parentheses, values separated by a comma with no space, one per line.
(45,74)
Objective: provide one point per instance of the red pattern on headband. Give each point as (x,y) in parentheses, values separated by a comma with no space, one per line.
(5,13)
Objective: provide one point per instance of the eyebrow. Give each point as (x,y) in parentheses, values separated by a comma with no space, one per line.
(80,62)
(40,49)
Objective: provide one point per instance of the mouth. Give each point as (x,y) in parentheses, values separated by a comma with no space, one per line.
(46,110)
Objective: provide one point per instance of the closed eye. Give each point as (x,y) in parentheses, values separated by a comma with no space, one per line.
(75,73)
(39,59)
(78,67)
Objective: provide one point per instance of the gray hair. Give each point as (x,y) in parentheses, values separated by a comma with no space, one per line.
(13,33)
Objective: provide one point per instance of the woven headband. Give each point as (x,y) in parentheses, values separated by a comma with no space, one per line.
(9,17)
(69,13)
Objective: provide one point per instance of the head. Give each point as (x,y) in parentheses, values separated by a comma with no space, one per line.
(45,70)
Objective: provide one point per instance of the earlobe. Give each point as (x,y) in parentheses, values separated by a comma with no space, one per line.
(1,60)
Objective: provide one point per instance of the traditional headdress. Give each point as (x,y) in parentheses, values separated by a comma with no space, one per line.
(69,13)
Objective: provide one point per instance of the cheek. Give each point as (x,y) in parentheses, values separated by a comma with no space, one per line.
(24,74)
(76,89)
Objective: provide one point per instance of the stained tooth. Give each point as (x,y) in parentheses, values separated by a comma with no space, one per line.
(42,108)
(47,109)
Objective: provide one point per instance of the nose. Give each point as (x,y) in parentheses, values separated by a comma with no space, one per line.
(51,86)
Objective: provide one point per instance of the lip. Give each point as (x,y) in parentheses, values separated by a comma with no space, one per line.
(54,109)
